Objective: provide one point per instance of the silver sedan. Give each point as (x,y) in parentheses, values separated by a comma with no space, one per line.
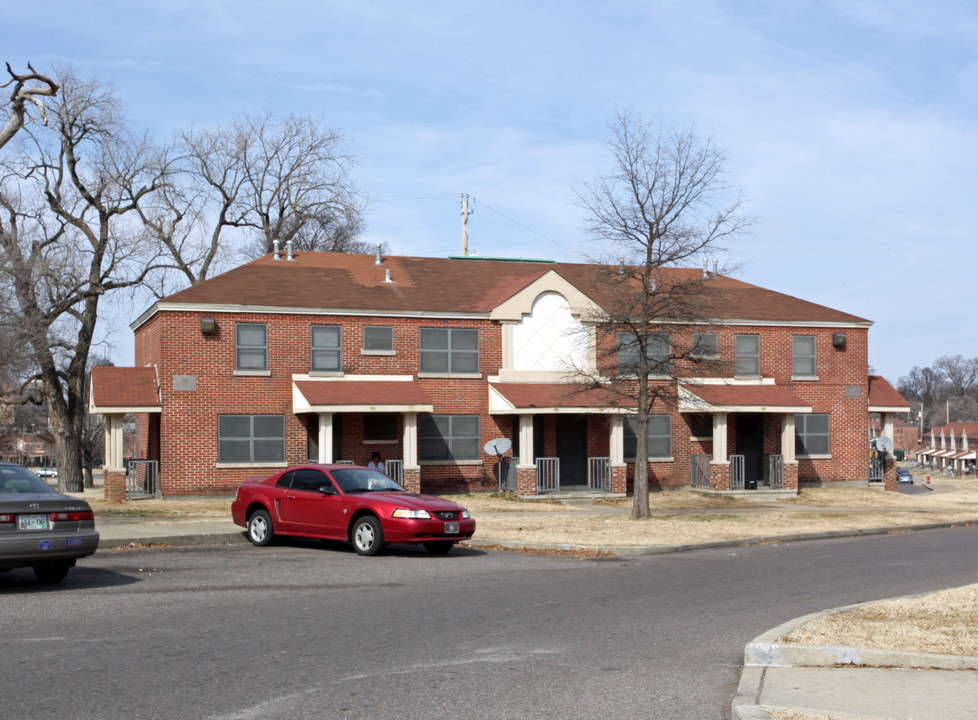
(40,528)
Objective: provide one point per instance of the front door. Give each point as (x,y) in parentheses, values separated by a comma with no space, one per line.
(572,451)
(750,444)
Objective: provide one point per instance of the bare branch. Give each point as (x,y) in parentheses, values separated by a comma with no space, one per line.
(23,93)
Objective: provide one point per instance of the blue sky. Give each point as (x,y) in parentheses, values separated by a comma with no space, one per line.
(849,124)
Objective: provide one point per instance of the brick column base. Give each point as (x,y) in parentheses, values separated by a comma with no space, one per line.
(619,479)
(526,481)
(412,479)
(115,485)
(791,476)
(889,474)
(719,476)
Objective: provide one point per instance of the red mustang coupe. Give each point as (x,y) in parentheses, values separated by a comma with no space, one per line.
(346,502)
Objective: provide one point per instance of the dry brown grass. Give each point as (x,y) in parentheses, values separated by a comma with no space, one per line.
(943,622)
(203,508)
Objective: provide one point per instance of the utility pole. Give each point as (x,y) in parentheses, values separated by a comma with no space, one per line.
(465,224)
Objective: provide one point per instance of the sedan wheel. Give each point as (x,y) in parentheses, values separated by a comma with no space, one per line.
(368,535)
(52,572)
(260,529)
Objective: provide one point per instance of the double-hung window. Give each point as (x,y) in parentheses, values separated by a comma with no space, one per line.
(378,338)
(448,437)
(325,355)
(705,345)
(803,356)
(659,437)
(251,438)
(251,347)
(449,350)
(748,350)
(657,349)
(812,434)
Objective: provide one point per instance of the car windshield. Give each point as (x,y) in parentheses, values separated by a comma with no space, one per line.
(15,479)
(357,480)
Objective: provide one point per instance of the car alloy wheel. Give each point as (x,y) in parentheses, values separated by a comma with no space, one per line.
(260,530)
(368,535)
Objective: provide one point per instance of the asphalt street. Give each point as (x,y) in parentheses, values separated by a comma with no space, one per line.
(311,630)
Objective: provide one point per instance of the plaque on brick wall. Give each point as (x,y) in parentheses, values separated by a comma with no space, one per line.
(853,391)
(184,382)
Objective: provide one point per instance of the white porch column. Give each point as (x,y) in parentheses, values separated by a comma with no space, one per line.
(526,442)
(788,437)
(886,426)
(325,438)
(114,453)
(616,445)
(720,438)
(409,450)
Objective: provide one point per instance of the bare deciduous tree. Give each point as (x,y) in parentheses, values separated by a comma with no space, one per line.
(243,186)
(28,88)
(69,235)
(663,206)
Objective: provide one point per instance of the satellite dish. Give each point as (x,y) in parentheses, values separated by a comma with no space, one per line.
(497,447)
(884,443)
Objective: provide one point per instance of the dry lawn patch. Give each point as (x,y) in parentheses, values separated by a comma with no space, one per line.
(942,622)
(596,529)
(203,508)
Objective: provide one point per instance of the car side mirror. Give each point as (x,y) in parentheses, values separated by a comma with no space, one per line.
(328,490)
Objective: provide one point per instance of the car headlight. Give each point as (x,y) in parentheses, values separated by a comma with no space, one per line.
(465,514)
(411,514)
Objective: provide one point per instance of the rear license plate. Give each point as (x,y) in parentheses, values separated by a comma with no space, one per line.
(451,528)
(32,522)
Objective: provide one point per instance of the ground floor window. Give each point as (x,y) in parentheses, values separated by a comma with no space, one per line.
(812,434)
(449,437)
(659,437)
(251,438)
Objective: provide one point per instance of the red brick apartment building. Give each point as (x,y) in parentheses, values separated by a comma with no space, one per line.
(329,357)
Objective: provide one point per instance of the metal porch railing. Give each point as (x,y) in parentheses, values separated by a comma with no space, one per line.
(700,471)
(142,479)
(599,474)
(736,472)
(548,475)
(775,472)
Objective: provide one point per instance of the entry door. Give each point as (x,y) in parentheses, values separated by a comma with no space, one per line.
(750,444)
(572,450)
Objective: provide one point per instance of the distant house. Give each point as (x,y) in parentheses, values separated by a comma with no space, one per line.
(951,447)
(329,357)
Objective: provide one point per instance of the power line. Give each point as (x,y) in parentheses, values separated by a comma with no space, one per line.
(528,229)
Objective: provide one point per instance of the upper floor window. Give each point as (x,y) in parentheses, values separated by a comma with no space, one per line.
(251,438)
(657,349)
(449,350)
(325,348)
(748,350)
(803,356)
(378,338)
(659,437)
(812,434)
(251,346)
(705,345)
(448,437)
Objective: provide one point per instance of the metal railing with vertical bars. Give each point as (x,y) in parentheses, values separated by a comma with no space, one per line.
(142,479)
(548,475)
(394,469)
(775,472)
(599,474)
(700,471)
(736,472)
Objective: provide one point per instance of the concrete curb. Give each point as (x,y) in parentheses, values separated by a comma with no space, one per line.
(765,651)
(174,540)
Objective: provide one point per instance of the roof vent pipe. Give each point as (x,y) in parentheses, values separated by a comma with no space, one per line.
(378,260)
(706,268)
(387,279)
(621,264)
(288,250)
(715,273)
(275,249)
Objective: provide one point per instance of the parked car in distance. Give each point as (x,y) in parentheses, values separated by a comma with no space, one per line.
(40,528)
(46,472)
(350,503)
(904,476)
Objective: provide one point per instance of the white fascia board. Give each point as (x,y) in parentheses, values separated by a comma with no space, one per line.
(214,308)
(112,410)
(363,409)
(306,377)
(889,409)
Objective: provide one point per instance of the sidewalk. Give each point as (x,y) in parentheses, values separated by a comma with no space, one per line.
(853,683)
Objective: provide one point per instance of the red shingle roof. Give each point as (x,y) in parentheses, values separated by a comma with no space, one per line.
(528,396)
(883,395)
(341,281)
(124,387)
(348,393)
(771,398)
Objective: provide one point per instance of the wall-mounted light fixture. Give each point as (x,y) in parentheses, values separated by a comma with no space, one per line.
(838,340)
(208,326)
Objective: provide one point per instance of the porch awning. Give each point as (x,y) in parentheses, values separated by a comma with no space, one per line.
(310,396)
(759,398)
(884,398)
(550,398)
(121,390)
